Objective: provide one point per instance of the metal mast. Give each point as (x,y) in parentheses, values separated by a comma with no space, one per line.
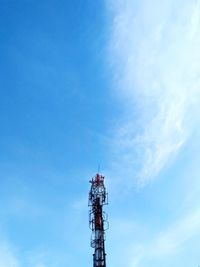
(98,219)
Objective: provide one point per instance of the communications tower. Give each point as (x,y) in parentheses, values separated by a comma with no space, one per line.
(98,219)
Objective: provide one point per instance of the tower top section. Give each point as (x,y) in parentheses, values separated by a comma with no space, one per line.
(98,197)
(98,191)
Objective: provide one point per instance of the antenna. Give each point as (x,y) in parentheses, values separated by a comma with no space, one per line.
(99,168)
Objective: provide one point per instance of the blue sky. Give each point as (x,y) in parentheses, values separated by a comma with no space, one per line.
(115,83)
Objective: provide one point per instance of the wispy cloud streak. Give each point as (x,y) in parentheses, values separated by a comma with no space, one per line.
(154,50)
(169,242)
(7,257)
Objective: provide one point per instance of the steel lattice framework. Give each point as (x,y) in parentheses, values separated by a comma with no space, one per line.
(98,219)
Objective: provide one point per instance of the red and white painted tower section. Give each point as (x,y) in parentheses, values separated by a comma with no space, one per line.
(98,219)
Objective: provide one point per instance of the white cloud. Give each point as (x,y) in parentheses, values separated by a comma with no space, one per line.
(40,265)
(7,256)
(154,50)
(169,242)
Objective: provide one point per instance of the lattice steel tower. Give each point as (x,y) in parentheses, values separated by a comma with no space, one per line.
(98,219)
